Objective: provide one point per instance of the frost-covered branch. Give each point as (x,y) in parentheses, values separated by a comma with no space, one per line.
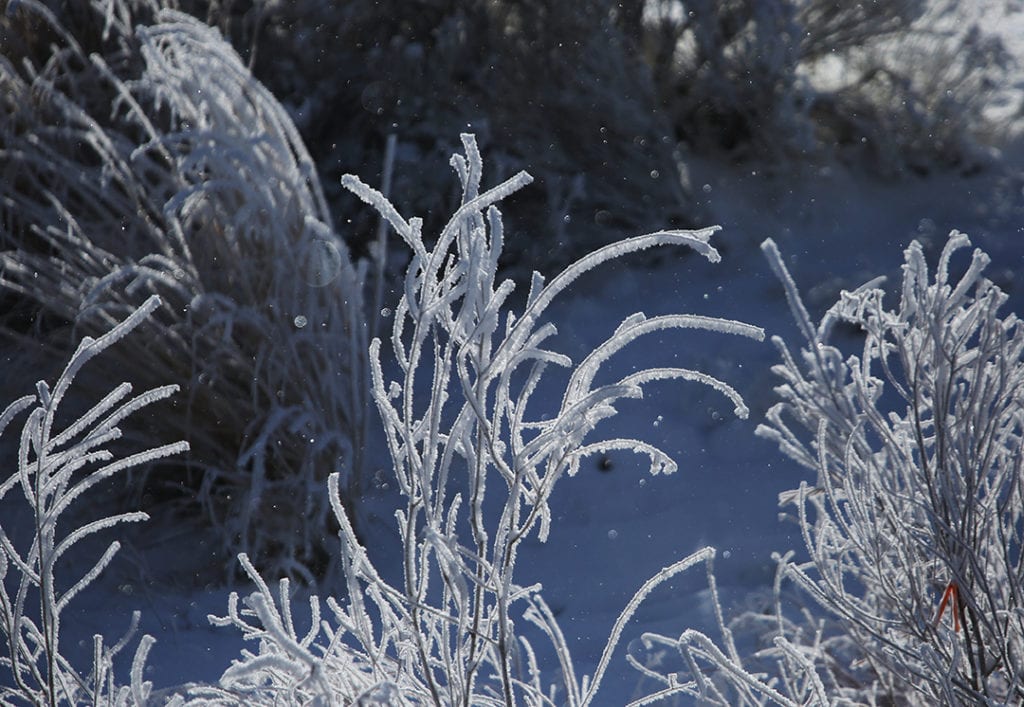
(476,462)
(56,468)
(914,524)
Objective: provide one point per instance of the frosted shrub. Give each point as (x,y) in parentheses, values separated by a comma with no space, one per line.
(143,158)
(58,464)
(716,674)
(915,523)
(475,464)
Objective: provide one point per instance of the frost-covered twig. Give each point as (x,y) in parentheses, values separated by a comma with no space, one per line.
(55,468)
(475,461)
(917,448)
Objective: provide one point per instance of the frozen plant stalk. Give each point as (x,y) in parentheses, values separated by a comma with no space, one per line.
(55,468)
(475,466)
(917,447)
(458,423)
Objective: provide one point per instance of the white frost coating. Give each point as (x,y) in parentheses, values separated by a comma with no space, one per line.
(476,465)
(796,305)
(193,183)
(740,408)
(705,555)
(635,327)
(698,240)
(460,427)
(915,443)
(661,463)
(54,469)
(378,201)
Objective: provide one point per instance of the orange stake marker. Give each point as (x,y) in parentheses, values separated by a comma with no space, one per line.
(952,592)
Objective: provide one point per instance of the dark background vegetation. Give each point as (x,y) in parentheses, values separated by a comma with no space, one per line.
(602,100)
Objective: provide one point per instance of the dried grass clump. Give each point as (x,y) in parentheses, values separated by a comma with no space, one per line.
(140,157)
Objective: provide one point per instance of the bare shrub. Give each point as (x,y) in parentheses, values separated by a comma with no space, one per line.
(476,461)
(915,523)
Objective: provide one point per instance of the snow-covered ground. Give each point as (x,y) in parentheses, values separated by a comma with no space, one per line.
(615,525)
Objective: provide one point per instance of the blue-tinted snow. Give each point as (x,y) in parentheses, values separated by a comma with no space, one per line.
(614,524)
